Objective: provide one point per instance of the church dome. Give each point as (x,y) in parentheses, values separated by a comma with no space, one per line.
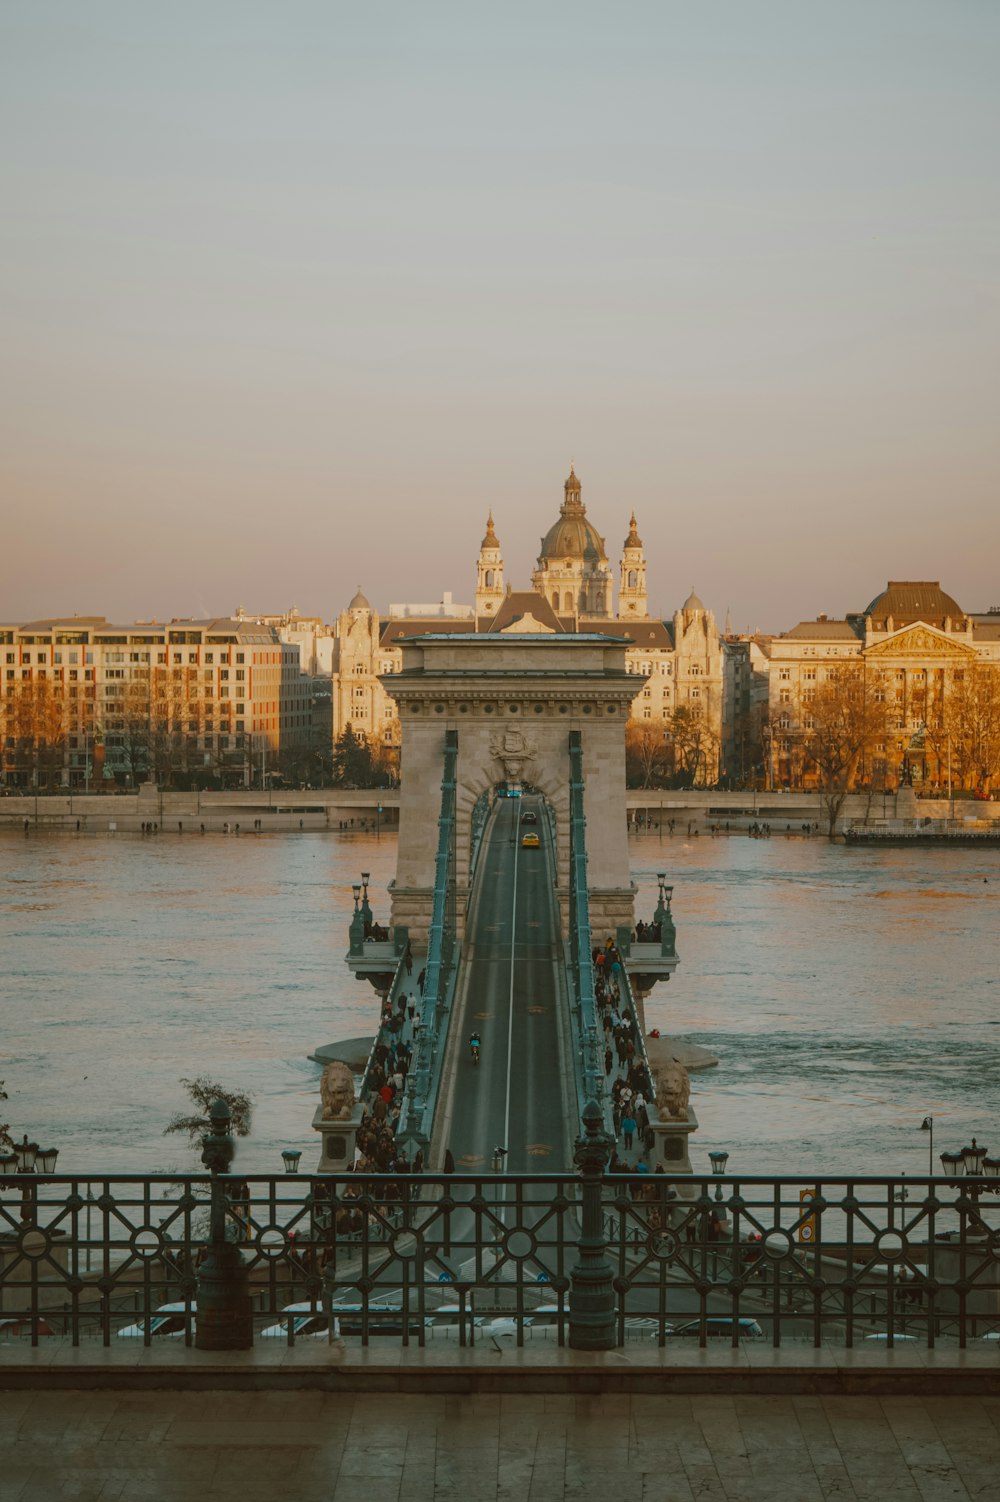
(912,600)
(692,602)
(359,602)
(572,536)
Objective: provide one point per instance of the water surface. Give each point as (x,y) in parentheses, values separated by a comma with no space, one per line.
(847,993)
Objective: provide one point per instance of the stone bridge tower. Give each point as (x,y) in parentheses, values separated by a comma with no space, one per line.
(513,699)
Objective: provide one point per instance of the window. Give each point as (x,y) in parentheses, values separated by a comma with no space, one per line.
(239,657)
(809,673)
(784,673)
(785,696)
(177,657)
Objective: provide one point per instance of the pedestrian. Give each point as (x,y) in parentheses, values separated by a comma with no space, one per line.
(412,1008)
(628,1131)
(608,1060)
(420,981)
(408,959)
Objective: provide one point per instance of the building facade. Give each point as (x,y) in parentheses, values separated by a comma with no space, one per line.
(932,666)
(84,702)
(681,658)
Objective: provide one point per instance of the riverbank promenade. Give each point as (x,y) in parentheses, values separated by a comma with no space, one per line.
(903,1425)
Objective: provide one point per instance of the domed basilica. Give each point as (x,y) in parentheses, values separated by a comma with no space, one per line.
(572,587)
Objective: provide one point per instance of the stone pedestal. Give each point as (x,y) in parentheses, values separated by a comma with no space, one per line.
(906,803)
(671,1148)
(338,1139)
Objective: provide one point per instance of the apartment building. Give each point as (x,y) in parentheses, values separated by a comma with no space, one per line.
(84,702)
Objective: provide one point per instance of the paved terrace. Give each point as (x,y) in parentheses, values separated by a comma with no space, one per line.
(172,1444)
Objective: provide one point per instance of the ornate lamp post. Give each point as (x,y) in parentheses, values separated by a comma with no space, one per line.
(357,923)
(973,1162)
(225,1322)
(28,1158)
(663,916)
(718,1161)
(592,1293)
(365,907)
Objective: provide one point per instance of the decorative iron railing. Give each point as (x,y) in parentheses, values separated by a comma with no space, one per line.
(418,1108)
(480,1259)
(592,1081)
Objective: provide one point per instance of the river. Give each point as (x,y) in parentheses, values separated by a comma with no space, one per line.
(847,993)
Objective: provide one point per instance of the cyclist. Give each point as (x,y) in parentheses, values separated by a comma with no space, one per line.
(474,1047)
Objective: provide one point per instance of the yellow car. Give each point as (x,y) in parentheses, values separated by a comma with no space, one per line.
(530,841)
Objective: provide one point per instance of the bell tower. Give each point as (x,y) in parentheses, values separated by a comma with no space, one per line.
(632,598)
(489,574)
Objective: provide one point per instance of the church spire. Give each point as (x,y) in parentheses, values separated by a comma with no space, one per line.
(489,573)
(632,597)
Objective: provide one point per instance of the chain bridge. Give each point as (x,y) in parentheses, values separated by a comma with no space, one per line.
(512,873)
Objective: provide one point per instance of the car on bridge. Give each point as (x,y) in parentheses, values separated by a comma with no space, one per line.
(168,1319)
(529,816)
(717,1327)
(530,841)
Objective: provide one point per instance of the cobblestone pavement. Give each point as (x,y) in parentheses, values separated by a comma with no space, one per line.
(318,1447)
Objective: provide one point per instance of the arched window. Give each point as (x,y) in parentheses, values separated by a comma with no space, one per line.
(633,578)
(489,578)
(568,603)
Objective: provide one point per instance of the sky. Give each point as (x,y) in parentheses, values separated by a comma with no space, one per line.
(292,295)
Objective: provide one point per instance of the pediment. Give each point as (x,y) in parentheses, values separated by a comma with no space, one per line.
(524,624)
(920,640)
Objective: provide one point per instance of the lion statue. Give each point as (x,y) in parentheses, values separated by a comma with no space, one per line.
(336,1090)
(673,1091)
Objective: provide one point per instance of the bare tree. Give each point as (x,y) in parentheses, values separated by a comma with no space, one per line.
(846,714)
(969,726)
(695,745)
(648,755)
(203,1092)
(36,724)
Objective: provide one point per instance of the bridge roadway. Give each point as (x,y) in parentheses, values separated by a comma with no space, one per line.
(514,993)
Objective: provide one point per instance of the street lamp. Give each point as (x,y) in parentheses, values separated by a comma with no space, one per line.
(927,1125)
(973,1162)
(290,1157)
(718,1161)
(365,907)
(28,1158)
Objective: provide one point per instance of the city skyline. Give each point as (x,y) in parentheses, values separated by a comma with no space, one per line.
(293,308)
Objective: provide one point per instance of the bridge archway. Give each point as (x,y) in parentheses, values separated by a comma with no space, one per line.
(513,700)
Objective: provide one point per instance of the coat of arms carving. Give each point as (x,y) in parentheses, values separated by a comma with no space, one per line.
(512,748)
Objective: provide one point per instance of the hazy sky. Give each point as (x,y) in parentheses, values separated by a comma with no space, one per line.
(293,293)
